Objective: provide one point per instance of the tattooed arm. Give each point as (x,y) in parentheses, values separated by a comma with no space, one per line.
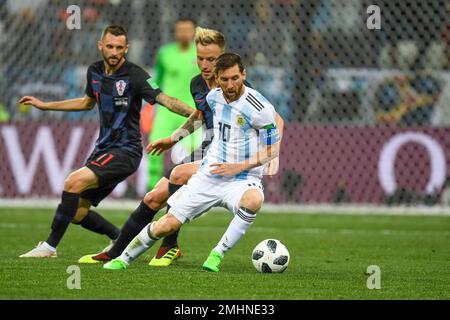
(174,105)
(194,122)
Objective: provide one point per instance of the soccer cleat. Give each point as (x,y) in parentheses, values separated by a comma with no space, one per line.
(115,264)
(95,258)
(213,261)
(42,250)
(165,257)
(98,257)
(109,246)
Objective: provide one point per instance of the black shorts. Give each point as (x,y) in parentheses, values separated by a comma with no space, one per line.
(111,167)
(197,154)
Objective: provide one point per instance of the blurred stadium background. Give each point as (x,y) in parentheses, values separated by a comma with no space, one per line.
(367,112)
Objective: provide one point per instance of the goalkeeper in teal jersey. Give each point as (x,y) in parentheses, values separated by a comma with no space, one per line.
(176,65)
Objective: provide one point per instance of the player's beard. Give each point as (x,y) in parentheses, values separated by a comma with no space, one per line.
(112,65)
(234,95)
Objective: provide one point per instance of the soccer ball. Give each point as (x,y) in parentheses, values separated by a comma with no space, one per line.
(270,255)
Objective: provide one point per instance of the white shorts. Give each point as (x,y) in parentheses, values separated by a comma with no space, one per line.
(203,192)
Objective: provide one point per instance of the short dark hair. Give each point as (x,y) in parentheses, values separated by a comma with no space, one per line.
(115,30)
(228,60)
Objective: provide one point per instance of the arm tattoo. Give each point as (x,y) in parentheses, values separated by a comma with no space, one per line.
(174,105)
(194,122)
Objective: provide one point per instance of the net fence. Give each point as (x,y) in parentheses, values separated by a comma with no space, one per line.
(363,87)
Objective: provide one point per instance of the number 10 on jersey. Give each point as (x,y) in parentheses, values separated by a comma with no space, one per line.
(224,131)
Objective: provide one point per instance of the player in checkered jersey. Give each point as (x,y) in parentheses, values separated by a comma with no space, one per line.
(117,86)
(245,139)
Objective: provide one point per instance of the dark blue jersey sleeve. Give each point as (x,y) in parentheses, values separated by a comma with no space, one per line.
(148,89)
(88,91)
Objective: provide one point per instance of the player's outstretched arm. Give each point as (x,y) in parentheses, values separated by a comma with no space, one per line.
(174,105)
(78,104)
(194,122)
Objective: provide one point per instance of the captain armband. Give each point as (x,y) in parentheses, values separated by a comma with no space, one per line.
(269,135)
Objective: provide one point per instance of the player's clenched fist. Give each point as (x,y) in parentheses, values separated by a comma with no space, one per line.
(29,100)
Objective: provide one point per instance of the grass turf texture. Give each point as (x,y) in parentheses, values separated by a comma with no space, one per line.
(329,258)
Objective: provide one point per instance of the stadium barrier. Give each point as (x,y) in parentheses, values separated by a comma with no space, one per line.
(318,164)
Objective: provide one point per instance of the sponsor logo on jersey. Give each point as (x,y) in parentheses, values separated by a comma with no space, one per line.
(120,103)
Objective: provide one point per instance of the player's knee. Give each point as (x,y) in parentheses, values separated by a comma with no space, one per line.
(154,200)
(165,226)
(74,183)
(252,200)
(69,183)
(253,205)
(179,176)
(148,198)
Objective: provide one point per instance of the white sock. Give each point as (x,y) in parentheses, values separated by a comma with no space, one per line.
(47,246)
(139,244)
(242,220)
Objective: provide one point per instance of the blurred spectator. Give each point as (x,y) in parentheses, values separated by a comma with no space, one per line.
(268,54)
(3,20)
(435,57)
(292,182)
(406,55)
(387,57)
(340,195)
(289,46)
(15,7)
(441,116)
(20,50)
(271,47)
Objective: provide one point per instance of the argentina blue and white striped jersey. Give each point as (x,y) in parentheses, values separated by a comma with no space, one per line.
(242,128)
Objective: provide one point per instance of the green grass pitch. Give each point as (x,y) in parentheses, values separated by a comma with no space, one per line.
(329,259)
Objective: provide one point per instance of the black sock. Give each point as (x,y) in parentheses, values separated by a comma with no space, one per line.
(63,217)
(171,240)
(140,217)
(96,223)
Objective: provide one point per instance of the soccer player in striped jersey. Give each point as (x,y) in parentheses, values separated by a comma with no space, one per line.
(209,45)
(245,139)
